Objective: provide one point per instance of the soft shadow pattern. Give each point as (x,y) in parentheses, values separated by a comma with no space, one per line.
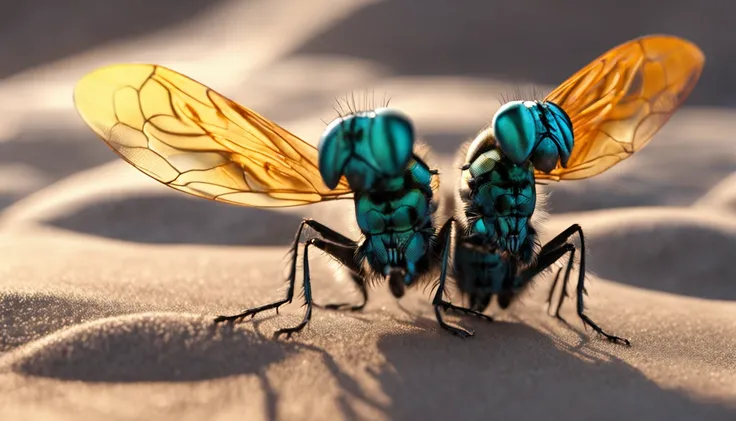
(69,151)
(157,348)
(154,347)
(8,199)
(56,153)
(168,347)
(530,40)
(39,31)
(181,220)
(26,317)
(640,180)
(523,374)
(668,256)
(634,188)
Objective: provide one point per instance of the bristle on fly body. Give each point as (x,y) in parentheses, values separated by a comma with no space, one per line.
(353,103)
(522,92)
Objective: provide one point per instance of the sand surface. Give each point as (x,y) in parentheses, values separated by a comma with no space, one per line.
(109,281)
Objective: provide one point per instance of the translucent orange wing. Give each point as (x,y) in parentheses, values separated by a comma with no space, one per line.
(195,140)
(620,100)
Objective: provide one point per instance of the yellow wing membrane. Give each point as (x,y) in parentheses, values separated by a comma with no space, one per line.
(620,100)
(195,140)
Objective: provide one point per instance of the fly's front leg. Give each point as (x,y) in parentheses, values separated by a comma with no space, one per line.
(307,290)
(438,302)
(293,252)
(581,292)
(251,312)
(550,253)
(335,250)
(343,250)
(553,251)
(328,247)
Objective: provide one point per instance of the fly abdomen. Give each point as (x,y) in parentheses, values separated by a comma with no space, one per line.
(395,229)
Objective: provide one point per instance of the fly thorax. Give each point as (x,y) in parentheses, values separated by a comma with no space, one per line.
(382,213)
(394,226)
(500,199)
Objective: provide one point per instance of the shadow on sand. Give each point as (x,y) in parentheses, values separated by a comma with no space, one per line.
(512,371)
(26,317)
(168,347)
(670,256)
(164,219)
(508,370)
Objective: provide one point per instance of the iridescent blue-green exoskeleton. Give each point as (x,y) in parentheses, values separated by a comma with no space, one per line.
(598,117)
(395,203)
(197,141)
(497,251)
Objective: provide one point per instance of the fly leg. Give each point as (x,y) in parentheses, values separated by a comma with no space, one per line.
(438,302)
(563,294)
(552,252)
(251,312)
(546,258)
(360,283)
(333,249)
(346,257)
(289,293)
(447,306)
(557,243)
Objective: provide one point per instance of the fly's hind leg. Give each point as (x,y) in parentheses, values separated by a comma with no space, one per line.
(550,253)
(565,280)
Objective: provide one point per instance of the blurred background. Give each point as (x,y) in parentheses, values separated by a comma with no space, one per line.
(445,63)
(89,294)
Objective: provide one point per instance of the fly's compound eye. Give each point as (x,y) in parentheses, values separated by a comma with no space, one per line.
(335,149)
(540,131)
(365,147)
(515,130)
(557,141)
(392,141)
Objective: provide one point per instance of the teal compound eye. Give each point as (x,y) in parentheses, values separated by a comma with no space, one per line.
(366,147)
(556,142)
(392,141)
(540,131)
(515,130)
(335,150)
